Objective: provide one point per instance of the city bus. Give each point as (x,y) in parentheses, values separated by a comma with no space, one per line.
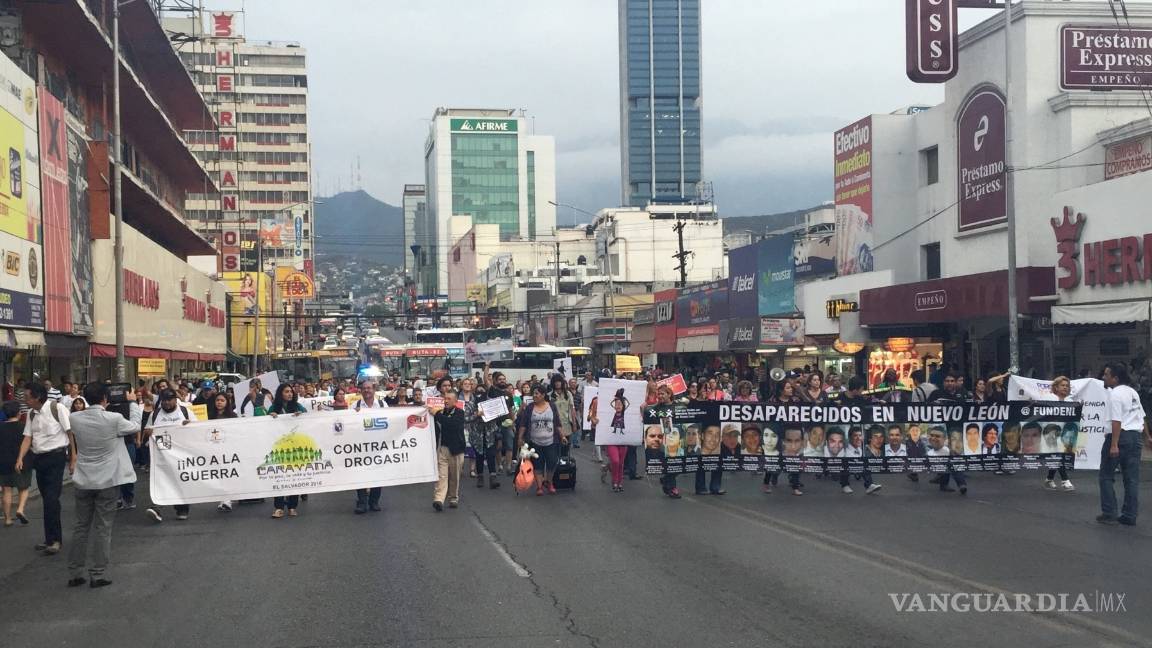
(538,361)
(454,340)
(316,365)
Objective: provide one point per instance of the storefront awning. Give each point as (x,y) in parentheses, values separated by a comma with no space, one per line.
(1114,313)
(957,298)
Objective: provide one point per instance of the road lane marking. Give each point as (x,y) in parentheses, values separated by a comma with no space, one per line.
(520,570)
(911,569)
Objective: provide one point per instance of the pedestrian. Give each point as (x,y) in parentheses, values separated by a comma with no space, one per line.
(785,395)
(539,425)
(220,407)
(1121,447)
(13,482)
(169,413)
(744,393)
(1060,390)
(255,402)
(668,480)
(566,406)
(78,404)
(48,435)
(71,392)
(813,391)
(578,404)
(340,399)
(368,499)
(450,445)
(503,427)
(53,393)
(286,403)
(102,466)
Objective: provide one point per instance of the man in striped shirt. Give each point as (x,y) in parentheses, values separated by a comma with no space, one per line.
(53,393)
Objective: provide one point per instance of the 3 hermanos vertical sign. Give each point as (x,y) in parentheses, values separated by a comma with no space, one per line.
(980,168)
(483,125)
(931,40)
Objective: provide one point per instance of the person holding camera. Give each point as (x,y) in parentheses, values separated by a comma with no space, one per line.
(102,465)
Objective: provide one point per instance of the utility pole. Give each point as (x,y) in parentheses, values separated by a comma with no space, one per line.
(117,186)
(557,271)
(1010,211)
(682,256)
(256,311)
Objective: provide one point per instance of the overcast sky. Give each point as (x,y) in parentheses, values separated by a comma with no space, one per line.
(779,78)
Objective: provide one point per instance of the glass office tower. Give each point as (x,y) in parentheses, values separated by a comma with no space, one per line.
(659,100)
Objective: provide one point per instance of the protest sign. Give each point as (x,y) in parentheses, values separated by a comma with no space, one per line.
(493,408)
(210,461)
(1094,423)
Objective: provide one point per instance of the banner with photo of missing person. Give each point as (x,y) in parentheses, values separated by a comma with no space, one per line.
(879,438)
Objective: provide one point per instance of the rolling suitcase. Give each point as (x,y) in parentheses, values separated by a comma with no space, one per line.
(564,477)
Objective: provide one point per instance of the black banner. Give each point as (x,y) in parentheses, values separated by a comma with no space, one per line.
(879,438)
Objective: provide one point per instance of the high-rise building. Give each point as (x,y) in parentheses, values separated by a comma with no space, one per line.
(259,152)
(660,100)
(413,205)
(486,164)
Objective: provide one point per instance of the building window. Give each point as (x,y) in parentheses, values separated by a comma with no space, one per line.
(931,256)
(930,162)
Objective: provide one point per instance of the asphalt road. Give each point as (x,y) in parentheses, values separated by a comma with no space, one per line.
(593,568)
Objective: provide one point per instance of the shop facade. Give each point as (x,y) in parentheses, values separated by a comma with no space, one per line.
(173,313)
(832,322)
(699,312)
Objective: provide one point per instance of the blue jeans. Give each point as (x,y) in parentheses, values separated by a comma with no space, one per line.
(866,475)
(713,481)
(1129,464)
(128,491)
(961,479)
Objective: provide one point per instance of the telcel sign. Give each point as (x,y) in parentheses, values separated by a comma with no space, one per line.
(931,40)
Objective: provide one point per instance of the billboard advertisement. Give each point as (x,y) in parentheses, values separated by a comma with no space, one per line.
(22,281)
(980,170)
(853,192)
(83,309)
(776,288)
(294,284)
(57,215)
(700,309)
(815,255)
(743,280)
(1105,57)
(781,331)
(242,290)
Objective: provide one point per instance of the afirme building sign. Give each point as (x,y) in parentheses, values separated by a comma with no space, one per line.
(483,125)
(1105,58)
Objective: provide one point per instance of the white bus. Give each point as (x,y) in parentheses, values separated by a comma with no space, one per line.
(538,361)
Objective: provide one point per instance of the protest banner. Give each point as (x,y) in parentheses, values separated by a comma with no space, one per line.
(1091,393)
(676,383)
(210,461)
(618,413)
(493,408)
(878,438)
(491,351)
(324,403)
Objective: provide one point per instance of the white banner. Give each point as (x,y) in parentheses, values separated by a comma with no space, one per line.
(1094,423)
(210,461)
(620,412)
(324,403)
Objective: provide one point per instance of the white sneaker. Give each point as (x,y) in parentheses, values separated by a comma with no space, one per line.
(1049,484)
(224,507)
(155,513)
(1067,486)
(847,490)
(873,488)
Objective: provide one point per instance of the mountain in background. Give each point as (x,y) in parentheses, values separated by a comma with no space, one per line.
(354,224)
(766,223)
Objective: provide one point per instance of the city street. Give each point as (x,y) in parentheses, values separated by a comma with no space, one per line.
(592,568)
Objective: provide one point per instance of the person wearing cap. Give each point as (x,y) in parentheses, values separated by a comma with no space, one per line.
(170,412)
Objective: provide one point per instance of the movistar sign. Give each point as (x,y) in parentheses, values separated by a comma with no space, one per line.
(483,125)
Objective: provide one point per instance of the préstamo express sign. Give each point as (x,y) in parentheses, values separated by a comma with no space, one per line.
(483,125)
(1105,58)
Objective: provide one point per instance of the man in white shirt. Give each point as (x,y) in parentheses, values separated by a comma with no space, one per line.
(71,393)
(48,435)
(170,412)
(368,499)
(1121,447)
(895,447)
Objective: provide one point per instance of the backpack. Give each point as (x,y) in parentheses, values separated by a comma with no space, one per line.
(183,410)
